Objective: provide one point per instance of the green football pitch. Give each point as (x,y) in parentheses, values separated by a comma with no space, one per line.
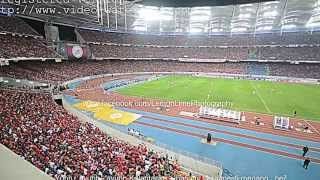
(244,95)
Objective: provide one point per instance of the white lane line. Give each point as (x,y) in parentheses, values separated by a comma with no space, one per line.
(312,127)
(262,100)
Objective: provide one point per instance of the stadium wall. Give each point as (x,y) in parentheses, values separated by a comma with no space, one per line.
(15,167)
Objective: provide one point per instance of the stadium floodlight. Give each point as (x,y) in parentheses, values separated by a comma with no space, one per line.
(155,14)
(199,18)
(245,5)
(317,3)
(140,28)
(289,26)
(149,14)
(179,30)
(239,29)
(271,2)
(313,24)
(267,8)
(314,18)
(246,15)
(264,28)
(216,30)
(166,17)
(270,14)
(166,14)
(196,30)
(202,12)
(205,8)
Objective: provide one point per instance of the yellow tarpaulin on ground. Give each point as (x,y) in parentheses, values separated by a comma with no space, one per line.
(104,111)
(92,106)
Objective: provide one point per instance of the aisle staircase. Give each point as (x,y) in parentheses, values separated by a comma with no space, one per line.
(258,69)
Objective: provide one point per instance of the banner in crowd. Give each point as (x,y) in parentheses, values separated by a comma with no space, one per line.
(77,51)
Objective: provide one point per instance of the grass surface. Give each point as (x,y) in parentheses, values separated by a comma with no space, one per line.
(245,95)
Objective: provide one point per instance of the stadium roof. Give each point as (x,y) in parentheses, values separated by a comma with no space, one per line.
(129,15)
(194,3)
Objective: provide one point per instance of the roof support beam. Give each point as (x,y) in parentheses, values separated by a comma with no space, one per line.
(232,16)
(257,15)
(284,11)
(106,10)
(125,16)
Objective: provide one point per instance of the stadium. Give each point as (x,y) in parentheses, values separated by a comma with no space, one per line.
(159,89)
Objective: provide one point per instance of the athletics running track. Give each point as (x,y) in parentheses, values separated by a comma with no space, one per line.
(241,152)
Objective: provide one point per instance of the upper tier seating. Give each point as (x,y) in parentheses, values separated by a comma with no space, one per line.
(28,47)
(15,25)
(218,53)
(52,72)
(126,45)
(204,40)
(105,51)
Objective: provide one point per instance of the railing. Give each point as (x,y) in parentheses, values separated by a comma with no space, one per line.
(191,155)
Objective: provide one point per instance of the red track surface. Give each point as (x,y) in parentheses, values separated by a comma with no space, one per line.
(97,95)
(276,152)
(232,133)
(91,90)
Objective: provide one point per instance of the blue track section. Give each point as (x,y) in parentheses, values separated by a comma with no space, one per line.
(233,138)
(71,99)
(230,129)
(114,83)
(236,160)
(74,85)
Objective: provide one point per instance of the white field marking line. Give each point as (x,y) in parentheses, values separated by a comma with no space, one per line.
(211,93)
(238,109)
(312,127)
(273,153)
(262,100)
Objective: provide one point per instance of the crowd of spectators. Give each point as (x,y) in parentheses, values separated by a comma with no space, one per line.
(231,53)
(292,70)
(20,40)
(33,126)
(15,25)
(169,46)
(295,46)
(175,46)
(19,71)
(46,135)
(2,55)
(52,72)
(49,71)
(289,53)
(286,38)
(28,47)
(105,51)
